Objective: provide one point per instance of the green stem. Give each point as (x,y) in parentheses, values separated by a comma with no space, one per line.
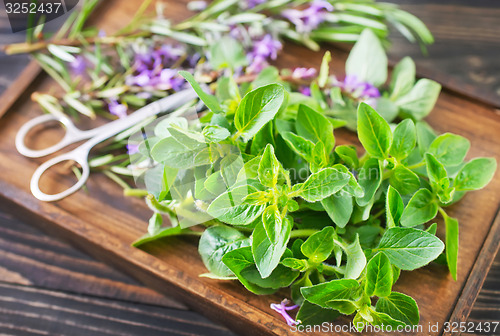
(135,192)
(417,165)
(302,233)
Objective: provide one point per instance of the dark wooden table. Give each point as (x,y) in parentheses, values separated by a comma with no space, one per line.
(49,288)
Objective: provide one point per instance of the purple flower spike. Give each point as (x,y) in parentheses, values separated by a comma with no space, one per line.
(358,89)
(253,3)
(117,109)
(78,66)
(282,308)
(310,18)
(132,149)
(303,73)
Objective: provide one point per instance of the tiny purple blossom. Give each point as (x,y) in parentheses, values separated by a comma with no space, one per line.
(253,3)
(117,109)
(357,89)
(282,308)
(305,90)
(132,149)
(78,66)
(303,73)
(310,18)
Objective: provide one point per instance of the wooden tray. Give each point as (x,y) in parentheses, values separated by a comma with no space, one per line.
(104,223)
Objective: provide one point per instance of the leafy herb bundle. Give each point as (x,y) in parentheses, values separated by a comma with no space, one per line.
(285,207)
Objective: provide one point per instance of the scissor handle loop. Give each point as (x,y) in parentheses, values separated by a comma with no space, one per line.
(78,155)
(72,135)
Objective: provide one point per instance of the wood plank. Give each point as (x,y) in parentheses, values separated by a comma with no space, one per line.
(29,257)
(34,311)
(105,223)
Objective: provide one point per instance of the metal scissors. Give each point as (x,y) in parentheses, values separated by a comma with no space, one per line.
(94,136)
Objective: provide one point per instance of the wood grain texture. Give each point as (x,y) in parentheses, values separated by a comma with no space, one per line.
(106,223)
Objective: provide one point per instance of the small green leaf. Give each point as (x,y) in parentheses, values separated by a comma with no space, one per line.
(266,254)
(379,276)
(367,59)
(404,180)
(403,77)
(400,307)
(272,221)
(322,184)
(311,314)
(476,174)
(369,178)
(257,108)
(269,168)
(373,132)
(210,101)
(420,101)
(321,294)
(324,71)
(315,127)
(162,233)
(451,244)
(348,155)
(175,154)
(356,260)
(319,246)
(227,53)
(425,136)
(339,207)
(449,149)
(409,248)
(296,264)
(230,208)
(214,133)
(421,209)
(394,207)
(405,138)
(215,242)
(299,145)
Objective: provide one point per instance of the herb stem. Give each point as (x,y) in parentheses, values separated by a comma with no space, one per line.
(302,233)
(417,165)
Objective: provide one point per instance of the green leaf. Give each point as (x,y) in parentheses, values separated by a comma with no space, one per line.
(435,169)
(299,145)
(404,180)
(269,168)
(210,101)
(315,127)
(237,261)
(263,137)
(451,244)
(162,233)
(266,254)
(310,314)
(449,149)
(214,133)
(273,223)
(379,276)
(421,209)
(369,178)
(319,246)
(400,307)
(348,155)
(404,140)
(425,136)
(257,108)
(321,184)
(230,208)
(409,248)
(403,77)
(476,174)
(420,101)
(296,264)
(394,207)
(356,260)
(367,59)
(373,132)
(321,294)
(339,207)
(215,242)
(174,154)
(227,53)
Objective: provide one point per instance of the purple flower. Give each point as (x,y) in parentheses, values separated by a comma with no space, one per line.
(153,69)
(117,109)
(132,149)
(282,309)
(264,49)
(303,73)
(253,3)
(305,90)
(78,66)
(308,19)
(358,89)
